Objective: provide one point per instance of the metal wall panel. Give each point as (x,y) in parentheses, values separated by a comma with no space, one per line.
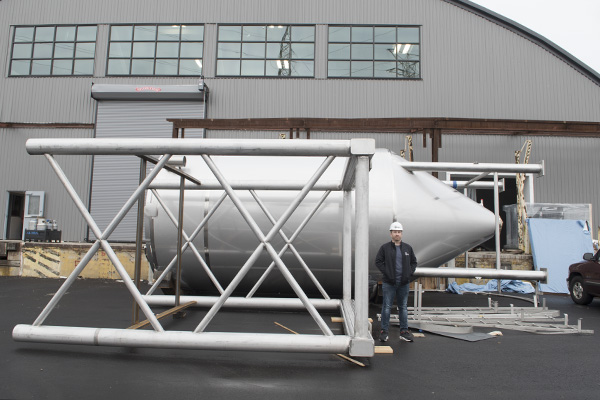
(22,172)
(116,177)
(471,67)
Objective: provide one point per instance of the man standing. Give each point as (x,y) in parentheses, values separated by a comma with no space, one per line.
(397,261)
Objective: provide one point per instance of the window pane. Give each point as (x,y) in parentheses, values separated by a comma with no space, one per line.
(339,33)
(408,52)
(64,50)
(62,67)
(42,50)
(339,51)
(362,51)
(338,68)
(121,33)
(253,33)
(143,49)
(278,33)
(190,67)
(191,50)
(166,67)
(385,69)
(44,34)
(385,34)
(85,50)
(142,67)
(303,68)
(362,69)
(362,34)
(277,68)
(408,70)
(410,35)
(253,67)
(303,34)
(20,67)
(22,50)
(230,33)
(253,50)
(192,33)
(65,34)
(144,32)
(118,49)
(170,50)
(303,50)
(83,67)
(229,50)
(86,34)
(278,50)
(168,33)
(24,34)
(228,67)
(40,67)
(118,67)
(385,51)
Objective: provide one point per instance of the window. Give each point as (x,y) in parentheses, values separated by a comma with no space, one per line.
(53,50)
(151,50)
(266,50)
(391,52)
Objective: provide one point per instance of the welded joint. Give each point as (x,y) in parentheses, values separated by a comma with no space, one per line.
(362,147)
(362,347)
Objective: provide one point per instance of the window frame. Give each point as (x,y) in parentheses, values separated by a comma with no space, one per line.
(374,60)
(53,58)
(181,59)
(265,58)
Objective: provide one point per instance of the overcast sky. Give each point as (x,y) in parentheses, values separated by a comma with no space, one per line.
(573,25)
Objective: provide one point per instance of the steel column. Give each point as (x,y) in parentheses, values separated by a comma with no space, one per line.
(361,252)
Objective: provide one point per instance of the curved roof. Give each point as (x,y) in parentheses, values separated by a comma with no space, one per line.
(531,35)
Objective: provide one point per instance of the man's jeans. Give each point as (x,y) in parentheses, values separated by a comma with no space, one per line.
(401,293)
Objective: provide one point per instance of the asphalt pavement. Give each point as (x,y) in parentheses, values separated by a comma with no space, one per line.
(516,365)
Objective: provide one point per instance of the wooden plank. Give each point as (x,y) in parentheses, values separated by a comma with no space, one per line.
(163,314)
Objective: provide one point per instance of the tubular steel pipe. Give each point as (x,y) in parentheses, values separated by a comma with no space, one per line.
(225,147)
(475,167)
(255,303)
(485,273)
(361,245)
(347,246)
(250,185)
(182,340)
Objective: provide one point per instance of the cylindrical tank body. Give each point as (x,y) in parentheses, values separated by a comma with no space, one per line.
(438,221)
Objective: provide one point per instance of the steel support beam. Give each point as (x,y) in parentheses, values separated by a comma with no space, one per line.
(182,340)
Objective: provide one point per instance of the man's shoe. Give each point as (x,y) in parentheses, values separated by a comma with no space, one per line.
(406,336)
(383,336)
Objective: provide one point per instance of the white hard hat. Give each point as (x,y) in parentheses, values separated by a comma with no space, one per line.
(396,226)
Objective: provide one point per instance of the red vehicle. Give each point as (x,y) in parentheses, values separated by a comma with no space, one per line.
(584,279)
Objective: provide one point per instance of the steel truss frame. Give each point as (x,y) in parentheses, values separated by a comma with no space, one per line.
(356,341)
(540,320)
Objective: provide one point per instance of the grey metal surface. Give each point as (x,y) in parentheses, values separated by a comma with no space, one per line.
(456,58)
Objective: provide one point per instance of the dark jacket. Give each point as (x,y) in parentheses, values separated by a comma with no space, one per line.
(386,259)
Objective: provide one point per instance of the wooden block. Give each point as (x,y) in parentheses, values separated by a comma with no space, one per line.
(384,350)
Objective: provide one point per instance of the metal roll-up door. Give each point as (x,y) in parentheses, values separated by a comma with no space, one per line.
(114,178)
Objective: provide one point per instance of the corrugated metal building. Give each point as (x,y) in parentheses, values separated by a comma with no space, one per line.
(409,59)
